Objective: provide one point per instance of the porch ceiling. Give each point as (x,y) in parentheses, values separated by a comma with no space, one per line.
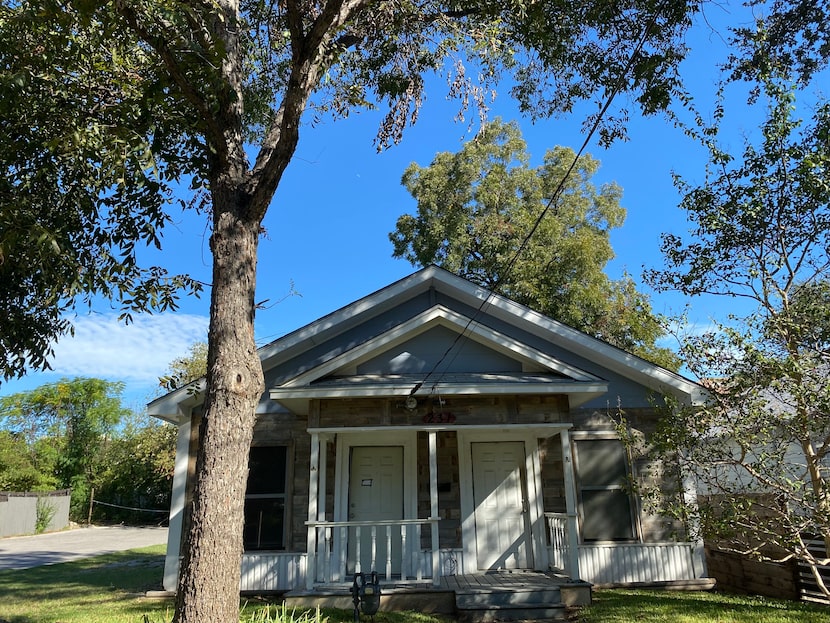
(297,398)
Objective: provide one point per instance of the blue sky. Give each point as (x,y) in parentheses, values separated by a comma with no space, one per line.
(328,225)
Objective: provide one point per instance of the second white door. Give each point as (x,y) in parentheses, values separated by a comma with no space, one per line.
(499,496)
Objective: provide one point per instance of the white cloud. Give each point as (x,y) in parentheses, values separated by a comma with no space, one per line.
(137,353)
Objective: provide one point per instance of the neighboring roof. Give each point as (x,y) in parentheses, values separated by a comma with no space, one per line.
(542,372)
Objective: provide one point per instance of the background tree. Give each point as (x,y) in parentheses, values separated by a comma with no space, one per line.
(137,473)
(19,466)
(187,368)
(476,208)
(761,235)
(67,425)
(106,105)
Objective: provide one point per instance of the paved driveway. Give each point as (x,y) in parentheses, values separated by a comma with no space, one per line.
(23,552)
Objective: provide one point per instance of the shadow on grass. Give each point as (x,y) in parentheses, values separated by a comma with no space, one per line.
(109,583)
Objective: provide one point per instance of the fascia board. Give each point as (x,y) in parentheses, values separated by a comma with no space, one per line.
(627,365)
(176,406)
(297,399)
(330,325)
(345,318)
(455,389)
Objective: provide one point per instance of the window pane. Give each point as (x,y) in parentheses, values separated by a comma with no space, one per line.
(606,515)
(264,523)
(601,462)
(266,470)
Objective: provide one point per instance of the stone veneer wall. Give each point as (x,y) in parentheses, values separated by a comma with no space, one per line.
(449,489)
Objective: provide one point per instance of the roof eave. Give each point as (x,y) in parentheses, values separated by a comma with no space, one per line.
(297,399)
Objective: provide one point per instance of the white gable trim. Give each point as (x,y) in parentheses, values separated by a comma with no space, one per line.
(439,316)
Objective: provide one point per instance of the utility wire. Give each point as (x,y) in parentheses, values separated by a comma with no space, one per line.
(550,203)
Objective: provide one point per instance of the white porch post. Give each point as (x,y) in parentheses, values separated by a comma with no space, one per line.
(321,506)
(570,505)
(311,540)
(177,501)
(321,490)
(433,500)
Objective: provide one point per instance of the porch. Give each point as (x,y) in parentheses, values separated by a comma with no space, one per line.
(415,568)
(379,509)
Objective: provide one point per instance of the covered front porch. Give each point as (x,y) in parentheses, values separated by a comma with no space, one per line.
(418,504)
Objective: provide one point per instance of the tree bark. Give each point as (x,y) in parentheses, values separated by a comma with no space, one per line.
(208,589)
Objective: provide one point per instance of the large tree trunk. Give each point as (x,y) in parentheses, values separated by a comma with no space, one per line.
(208,589)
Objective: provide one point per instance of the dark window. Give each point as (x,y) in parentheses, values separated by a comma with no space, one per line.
(265,499)
(605,501)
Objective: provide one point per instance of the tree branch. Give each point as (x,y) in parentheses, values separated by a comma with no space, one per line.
(309,58)
(162,49)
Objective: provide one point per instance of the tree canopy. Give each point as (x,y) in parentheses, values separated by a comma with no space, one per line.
(64,428)
(87,158)
(761,234)
(477,209)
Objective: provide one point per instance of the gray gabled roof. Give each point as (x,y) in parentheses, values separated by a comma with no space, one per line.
(310,381)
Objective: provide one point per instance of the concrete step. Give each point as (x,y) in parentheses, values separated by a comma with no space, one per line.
(502,597)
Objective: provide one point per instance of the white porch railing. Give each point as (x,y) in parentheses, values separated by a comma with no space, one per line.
(392,548)
(558,543)
(621,563)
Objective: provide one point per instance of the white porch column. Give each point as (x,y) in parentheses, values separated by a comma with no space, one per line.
(433,501)
(570,505)
(177,501)
(311,539)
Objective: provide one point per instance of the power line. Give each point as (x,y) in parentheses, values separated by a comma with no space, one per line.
(550,203)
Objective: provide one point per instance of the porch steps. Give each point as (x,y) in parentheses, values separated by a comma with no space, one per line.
(422,597)
(516,596)
(509,605)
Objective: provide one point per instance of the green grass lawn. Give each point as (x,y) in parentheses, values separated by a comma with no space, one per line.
(627,606)
(105,589)
(110,589)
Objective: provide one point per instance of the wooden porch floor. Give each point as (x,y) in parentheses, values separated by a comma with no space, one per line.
(474,598)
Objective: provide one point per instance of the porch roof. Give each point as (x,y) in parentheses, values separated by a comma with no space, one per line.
(296,398)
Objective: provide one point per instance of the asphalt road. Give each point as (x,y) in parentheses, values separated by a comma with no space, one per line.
(24,552)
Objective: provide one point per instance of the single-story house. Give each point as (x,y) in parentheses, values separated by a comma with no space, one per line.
(432,429)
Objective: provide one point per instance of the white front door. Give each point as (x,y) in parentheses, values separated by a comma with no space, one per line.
(375,493)
(500,502)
